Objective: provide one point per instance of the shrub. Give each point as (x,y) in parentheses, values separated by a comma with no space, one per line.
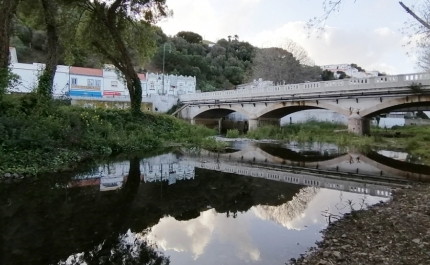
(234,133)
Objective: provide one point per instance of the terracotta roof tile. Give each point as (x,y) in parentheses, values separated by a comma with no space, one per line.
(86,71)
(142,77)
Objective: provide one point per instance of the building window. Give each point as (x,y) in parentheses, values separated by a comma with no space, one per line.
(90,82)
(98,83)
(74,81)
(114,83)
(152,86)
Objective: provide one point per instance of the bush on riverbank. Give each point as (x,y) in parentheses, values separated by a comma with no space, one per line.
(415,139)
(53,136)
(310,131)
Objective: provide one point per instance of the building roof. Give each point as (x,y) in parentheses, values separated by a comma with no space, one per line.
(142,77)
(86,71)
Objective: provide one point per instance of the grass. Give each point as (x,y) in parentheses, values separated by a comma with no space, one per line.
(234,133)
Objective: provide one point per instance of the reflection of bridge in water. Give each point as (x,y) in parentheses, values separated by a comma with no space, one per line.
(325,167)
(372,165)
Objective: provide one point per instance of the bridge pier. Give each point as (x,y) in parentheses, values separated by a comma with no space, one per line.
(252,124)
(269,121)
(358,125)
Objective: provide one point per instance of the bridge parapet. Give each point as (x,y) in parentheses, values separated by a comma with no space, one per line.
(396,82)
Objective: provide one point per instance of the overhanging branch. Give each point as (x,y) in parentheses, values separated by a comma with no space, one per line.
(409,11)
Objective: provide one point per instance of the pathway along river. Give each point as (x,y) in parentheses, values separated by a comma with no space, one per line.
(257,203)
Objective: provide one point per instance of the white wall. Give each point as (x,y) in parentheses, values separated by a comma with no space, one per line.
(161,103)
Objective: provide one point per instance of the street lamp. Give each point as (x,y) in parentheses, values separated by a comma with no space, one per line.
(164,56)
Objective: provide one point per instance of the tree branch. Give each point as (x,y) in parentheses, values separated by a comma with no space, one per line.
(425,24)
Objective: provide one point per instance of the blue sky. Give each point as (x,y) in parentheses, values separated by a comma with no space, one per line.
(367,32)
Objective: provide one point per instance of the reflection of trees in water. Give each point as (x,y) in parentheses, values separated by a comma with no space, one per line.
(285,213)
(127,249)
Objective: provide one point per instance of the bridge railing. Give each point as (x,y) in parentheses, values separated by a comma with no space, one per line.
(325,87)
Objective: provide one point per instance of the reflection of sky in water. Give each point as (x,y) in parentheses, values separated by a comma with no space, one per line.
(263,235)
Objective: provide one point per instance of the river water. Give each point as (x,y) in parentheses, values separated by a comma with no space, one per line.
(256,203)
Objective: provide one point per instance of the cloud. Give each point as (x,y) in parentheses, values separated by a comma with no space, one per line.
(211,19)
(194,235)
(380,49)
(191,236)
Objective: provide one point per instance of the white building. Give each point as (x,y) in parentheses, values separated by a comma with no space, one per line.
(13,58)
(348,70)
(99,83)
(173,84)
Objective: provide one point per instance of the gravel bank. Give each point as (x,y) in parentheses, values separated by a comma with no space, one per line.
(396,232)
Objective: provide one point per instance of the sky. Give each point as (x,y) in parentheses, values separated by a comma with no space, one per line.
(365,32)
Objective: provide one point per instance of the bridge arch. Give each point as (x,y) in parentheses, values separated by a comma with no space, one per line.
(396,104)
(218,112)
(282,109)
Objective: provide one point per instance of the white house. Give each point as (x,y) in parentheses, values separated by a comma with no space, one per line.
(85,82)
(348,70)
(173,84)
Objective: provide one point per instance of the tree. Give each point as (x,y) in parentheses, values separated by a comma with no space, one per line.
(7,11)
(112,29)
(285,61)
(190,37)
(46,80)
(357,67)
(342,74)
(327,75)
(277,65)
(222,66)
(295,49)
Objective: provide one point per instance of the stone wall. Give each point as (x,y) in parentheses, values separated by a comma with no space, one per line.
(146,106)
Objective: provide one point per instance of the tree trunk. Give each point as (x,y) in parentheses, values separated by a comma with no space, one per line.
(46,80)
(7,10)
(135,89)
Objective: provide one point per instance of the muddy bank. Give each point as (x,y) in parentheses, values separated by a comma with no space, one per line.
(396,232)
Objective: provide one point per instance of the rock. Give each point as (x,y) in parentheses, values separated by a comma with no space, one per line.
(416,240)
(326,254)
(15,175)
(337,254)
(335,240)
(383,248)
(345,247)
(343,235)
(7,175)
(322,262)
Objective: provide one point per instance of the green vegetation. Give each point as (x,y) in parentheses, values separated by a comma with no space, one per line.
(234,133)
(55,136)
(415,139)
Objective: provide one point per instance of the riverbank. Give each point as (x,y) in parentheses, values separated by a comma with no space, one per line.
(54,136)
(396,232)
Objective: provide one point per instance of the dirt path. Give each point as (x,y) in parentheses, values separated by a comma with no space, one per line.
(396,232)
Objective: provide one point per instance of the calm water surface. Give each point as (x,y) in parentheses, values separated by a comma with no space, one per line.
(254,204)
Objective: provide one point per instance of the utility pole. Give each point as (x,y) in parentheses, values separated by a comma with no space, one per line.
(164,56)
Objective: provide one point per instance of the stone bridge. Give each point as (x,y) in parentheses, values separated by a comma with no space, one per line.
(359,99)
